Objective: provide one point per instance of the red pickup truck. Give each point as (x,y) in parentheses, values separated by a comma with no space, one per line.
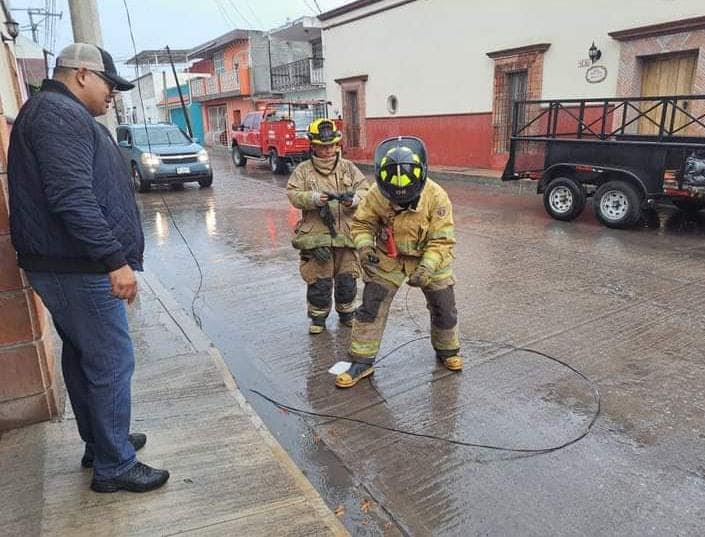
(277,133)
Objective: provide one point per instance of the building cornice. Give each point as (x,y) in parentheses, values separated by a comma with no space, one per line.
(356,78)
(664,28)
(539,48)
(347,8)
(350,8)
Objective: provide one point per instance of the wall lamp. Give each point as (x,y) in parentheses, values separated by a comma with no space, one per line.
(13,29)
(594,53)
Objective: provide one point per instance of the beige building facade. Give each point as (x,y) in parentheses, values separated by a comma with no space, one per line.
(448,70)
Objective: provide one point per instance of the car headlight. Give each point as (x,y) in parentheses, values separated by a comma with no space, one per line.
(203,156)
(150,159)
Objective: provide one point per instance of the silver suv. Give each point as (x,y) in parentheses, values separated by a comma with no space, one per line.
(163,154)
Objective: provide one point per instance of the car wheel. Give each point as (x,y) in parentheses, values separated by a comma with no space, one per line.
(139,184)
(564,198)
(206,183)
(617,204)
(238,158)
(276,163)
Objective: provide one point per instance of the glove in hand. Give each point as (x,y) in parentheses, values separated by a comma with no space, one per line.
(368,256)
(421,277)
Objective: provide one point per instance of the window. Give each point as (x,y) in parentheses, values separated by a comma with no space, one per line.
(352,113)
(219,63)
(392,104)
(161,136)
(317,53)
(122,135)
(250,120)
(515,90)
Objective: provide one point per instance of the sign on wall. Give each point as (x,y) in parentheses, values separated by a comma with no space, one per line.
(596,74)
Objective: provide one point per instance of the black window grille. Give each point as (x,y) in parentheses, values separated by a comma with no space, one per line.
(515,87)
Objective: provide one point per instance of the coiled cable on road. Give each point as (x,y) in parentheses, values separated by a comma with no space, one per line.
(448,440)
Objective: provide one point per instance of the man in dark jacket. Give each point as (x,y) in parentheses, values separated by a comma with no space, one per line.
(78,236)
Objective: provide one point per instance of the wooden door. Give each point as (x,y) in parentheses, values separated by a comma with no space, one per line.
(351,115)
(661,76)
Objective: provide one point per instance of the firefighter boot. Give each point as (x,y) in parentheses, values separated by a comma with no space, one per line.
(355,373)
(346,318)
(317,326)
(452,363)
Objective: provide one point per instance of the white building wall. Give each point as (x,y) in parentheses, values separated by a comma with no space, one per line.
(8,68)
(152,88)
(431,54)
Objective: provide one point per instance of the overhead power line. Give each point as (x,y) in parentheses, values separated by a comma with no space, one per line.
(309,7)
(240,14)
(254,14)
(224,13)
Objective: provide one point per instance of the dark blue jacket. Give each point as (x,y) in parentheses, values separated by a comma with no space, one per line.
(72,206)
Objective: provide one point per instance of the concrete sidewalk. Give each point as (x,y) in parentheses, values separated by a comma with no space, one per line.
(229,476)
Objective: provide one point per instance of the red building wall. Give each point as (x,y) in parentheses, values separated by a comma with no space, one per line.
(463,140)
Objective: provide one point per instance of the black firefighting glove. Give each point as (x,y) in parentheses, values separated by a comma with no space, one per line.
(421,277)
(367,257)
(322,254)
(346,198)
(328,219)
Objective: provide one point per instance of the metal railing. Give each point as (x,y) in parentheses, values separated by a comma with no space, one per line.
(216,84)
(299,74)
(605,119)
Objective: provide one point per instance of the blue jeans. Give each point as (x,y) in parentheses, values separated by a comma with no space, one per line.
(97,361)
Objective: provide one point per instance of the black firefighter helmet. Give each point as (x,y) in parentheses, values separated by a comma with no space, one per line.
(400,168)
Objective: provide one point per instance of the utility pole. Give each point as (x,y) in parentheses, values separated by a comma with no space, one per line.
(31,13)
(181,96)
(86,29)
(85,22)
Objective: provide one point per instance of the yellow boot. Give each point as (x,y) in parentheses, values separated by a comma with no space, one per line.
(355,373)
(453,363)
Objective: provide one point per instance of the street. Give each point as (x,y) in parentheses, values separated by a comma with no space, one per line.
(625,308)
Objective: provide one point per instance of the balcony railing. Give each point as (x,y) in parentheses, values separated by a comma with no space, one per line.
(300,74)
(215,85)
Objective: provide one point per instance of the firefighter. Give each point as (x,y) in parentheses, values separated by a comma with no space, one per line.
(403,231)
(327,188)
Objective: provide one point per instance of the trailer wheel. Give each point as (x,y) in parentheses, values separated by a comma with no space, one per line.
(617,204)
(276,163)
(238,158)
(564,198)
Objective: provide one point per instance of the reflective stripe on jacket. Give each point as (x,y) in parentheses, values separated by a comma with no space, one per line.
(311,232)
(426,232)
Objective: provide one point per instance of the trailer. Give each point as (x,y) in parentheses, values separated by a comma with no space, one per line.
(624,153)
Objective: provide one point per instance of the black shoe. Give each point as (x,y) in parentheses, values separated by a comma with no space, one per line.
(138,440)
(139,478)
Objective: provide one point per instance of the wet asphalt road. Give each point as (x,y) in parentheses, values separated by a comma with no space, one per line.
(626,308)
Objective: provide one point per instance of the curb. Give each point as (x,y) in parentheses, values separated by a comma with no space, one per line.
(200,342)
(521,186)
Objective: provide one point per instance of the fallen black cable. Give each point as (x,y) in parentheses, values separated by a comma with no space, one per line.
(196,317)
(588,429)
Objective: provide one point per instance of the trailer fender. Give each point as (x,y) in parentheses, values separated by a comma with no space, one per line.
(608,173)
